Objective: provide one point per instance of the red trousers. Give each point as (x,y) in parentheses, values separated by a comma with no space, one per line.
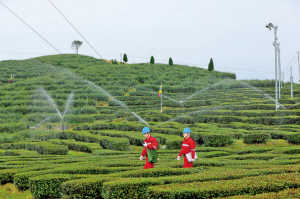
(187,163)
(148,165)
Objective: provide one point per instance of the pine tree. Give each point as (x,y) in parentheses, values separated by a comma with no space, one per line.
(211,65)
(125,59)
(152,60)
(170,62)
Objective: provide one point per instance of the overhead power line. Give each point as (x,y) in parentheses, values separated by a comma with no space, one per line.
(290,62)
(75,29)
(30,27)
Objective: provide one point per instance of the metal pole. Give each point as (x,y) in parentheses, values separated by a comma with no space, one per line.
(161,102)
(275,44)
(161,98)
(63,128)
(291,84)
(299,66)
(279,69)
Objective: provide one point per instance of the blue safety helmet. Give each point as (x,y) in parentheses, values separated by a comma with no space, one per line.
(186,130)
(146,130)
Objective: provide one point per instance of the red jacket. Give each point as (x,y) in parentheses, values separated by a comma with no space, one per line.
(188,145)
(152,144)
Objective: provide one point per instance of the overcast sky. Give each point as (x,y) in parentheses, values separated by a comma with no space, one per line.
(232,32)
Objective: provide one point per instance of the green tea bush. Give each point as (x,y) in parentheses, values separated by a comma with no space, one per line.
(293,138)
(253,138)
(84,188)
(49,186)
(45,148)
(119,144)
(21,180)
(250,185)
(215,140)
(12,127)
(77,146)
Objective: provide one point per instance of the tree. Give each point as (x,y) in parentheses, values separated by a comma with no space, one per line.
(152,60)
(76,45)
(211,65)
(125,59)
(170,62)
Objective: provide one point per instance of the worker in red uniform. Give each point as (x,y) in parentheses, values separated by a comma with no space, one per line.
(150,143)
(187,149)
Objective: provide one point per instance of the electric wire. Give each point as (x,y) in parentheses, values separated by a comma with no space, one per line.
(100,55)
(291,66)
(30,27)
(75,29)
(290,62)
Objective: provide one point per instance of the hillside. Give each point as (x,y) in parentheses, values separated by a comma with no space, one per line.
(77,117)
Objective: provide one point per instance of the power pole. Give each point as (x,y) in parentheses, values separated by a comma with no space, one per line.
(121,58)
(270,26)
(275,44)
(299,66)
(291,83)
(279,67)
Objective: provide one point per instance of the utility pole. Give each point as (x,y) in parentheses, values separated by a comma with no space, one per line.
(299,66)
(291,83)
(275,44)
(121,58)
(269,26)
(279,68)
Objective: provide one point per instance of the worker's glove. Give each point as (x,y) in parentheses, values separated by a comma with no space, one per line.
(145,144)
(192,160)
(141,158)
(178,158)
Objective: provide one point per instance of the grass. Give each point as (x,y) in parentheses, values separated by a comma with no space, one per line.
(9,191)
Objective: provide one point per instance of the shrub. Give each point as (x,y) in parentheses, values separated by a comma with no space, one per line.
(84,188)
(49,186)
(253,138)
(250,185)
(215,140)
(293,138)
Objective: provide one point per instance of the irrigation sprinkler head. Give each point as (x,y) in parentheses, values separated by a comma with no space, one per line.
(267,26)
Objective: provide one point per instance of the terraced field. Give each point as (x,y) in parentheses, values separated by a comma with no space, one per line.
(71,127)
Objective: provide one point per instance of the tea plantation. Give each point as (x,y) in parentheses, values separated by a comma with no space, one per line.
(71,128)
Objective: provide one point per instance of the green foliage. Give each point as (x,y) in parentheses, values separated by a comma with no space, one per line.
(211,65)
(217,140)
(125,59)
(293,138)
(253,138)
(12,127)
(250,185)
(170,62)
(49,186)
(84,188)
(45,148)
(119,144)
(77,146)
(152,60)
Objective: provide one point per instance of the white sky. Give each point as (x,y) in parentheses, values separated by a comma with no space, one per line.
(232,32)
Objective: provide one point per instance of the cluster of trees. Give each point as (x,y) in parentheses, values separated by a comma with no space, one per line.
(76,44)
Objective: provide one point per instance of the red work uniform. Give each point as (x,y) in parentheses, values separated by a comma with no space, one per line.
(151,144)
(188,145)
